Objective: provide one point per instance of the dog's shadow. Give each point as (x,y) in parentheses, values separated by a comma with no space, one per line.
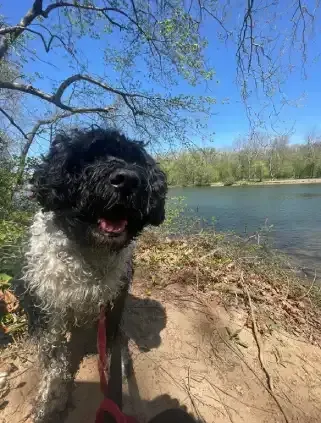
(143,321)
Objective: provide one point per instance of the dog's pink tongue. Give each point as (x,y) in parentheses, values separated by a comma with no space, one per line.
(113,226)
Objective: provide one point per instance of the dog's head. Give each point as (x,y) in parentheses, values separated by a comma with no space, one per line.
(102,187)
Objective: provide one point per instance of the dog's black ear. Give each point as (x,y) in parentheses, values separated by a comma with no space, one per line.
(52,182)
(158,183)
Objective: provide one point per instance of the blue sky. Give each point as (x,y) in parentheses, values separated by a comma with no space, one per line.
(229,120)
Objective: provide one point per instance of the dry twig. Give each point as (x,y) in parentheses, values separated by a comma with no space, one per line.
(310,288)
(258,341)
(227,411)
(188,389)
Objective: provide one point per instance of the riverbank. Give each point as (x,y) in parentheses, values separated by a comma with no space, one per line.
(229,267)
(256,183)
(284,215)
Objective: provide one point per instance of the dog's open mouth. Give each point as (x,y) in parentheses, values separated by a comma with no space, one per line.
(113,227)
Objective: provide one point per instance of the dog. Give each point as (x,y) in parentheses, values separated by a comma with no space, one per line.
(97,191)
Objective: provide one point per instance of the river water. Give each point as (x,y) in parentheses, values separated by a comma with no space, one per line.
(291,212)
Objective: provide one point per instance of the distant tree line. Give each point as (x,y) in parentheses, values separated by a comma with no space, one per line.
(255,158)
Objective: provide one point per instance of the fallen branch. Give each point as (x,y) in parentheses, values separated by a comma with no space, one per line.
(188,389)
(227,411)
(310,288)
(258,341)
(238,399)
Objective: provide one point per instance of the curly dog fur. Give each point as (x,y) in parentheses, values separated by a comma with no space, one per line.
(97,190)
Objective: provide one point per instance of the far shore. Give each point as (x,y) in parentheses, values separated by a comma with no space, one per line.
(249,183)
(272,182)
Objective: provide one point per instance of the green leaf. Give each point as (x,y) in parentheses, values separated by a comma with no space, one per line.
(4,277)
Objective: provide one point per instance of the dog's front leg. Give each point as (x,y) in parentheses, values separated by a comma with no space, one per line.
(114,330)
(56,379)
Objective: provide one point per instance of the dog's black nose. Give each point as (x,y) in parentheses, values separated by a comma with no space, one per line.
(124,179)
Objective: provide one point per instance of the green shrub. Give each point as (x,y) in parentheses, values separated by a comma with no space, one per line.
(13,232)
(175,210)
(229,182)
(180,220)
(16,211)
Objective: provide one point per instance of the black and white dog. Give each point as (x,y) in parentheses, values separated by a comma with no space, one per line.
(97,190)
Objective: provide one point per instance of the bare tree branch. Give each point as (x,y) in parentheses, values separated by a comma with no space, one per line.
(10,34)
(47,44)
(13,123)
(56,98)
(6,41)
(215,17)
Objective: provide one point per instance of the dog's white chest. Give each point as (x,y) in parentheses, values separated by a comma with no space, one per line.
(63,279)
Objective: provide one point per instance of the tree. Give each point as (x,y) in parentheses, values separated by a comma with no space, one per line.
(161,38)
(269,157)
(249,149)
(312,155)
(276,152)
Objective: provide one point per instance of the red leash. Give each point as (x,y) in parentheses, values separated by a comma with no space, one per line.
(106,405)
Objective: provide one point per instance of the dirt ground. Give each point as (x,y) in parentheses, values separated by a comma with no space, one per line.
(188,349)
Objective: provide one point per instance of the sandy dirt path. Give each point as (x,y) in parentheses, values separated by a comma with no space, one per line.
(188,350)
